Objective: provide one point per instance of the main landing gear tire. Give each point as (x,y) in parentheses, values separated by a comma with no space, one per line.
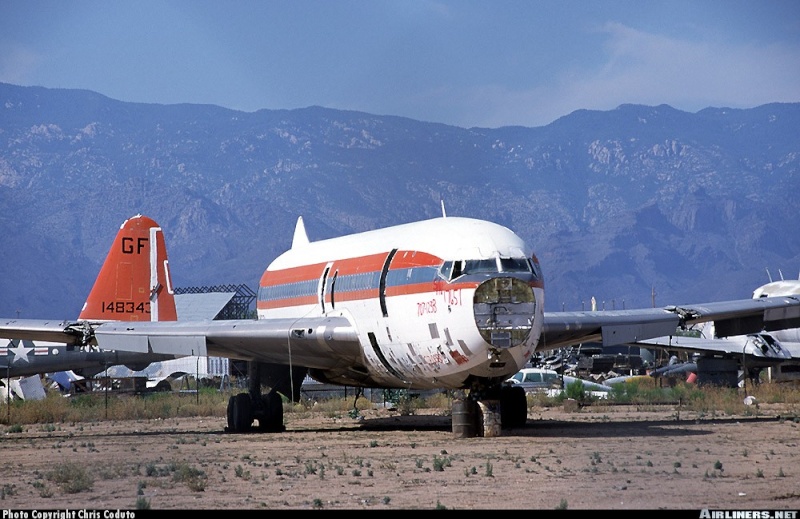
(271,417)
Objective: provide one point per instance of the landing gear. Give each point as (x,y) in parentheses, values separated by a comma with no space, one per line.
(266,409)
(270,419)
(487,414)
(243,410)
(240,415)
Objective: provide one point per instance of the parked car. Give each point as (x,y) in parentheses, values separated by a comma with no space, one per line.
(549,381)
(535,379)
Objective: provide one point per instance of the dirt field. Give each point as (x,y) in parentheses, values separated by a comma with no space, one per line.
(597,458)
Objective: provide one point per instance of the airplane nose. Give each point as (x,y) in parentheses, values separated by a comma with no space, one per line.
(504,310)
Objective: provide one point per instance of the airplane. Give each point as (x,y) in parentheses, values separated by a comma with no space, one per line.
(777,351)
(449,303)
(134,284)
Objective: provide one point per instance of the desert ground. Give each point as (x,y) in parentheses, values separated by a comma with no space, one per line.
(602,457)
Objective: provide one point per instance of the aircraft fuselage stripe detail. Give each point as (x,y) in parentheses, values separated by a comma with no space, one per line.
(359,287)
(356,278)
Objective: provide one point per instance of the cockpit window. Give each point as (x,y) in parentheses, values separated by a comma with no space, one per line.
(483,266)
(452,269)
(446,269)
(515,265)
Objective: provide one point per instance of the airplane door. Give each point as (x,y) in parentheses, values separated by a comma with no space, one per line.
(382,287)
(321,289)
(333,289)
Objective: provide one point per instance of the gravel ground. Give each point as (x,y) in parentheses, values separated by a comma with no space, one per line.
(602,457)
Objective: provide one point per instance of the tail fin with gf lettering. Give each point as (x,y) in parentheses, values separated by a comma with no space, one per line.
(134,283)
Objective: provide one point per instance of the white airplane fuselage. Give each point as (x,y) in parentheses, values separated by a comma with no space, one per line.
(432,302)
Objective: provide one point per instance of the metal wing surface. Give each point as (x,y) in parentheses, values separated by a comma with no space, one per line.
(322,342)
(753,346)
(737,317)
(315,342)
(325,342)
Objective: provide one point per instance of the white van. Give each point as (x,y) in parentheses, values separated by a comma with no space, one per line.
(535,379)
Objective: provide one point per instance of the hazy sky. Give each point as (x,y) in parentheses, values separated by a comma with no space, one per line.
(468,63)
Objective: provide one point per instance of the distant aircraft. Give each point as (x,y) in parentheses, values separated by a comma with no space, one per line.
(777,350)
(446,303)
(134,284)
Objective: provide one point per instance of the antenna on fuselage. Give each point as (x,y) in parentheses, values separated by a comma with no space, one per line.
(444,214)
(769,276)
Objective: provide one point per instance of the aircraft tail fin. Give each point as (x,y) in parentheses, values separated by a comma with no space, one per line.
(134,283)
(300,236)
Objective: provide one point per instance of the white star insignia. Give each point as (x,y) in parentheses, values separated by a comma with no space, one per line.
(20,350)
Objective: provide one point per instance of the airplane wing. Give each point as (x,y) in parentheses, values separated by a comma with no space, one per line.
(323,342)
(737,317)
(755,347)
(23,358)
(310,342)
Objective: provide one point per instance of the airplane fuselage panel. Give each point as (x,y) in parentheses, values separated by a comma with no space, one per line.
(419,324)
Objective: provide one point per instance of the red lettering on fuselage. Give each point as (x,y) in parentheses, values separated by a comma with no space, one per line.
(436,358)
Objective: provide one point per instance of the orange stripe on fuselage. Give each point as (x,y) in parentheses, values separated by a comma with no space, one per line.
(410,259)
(291,275)
(360,265)
(372,263)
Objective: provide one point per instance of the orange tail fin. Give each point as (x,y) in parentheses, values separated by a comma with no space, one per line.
(134,283)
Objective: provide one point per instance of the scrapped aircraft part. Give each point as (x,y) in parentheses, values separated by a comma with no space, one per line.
(712,371)
(739,318)
(504,310)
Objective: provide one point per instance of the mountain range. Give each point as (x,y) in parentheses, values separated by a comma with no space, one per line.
(638,206)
